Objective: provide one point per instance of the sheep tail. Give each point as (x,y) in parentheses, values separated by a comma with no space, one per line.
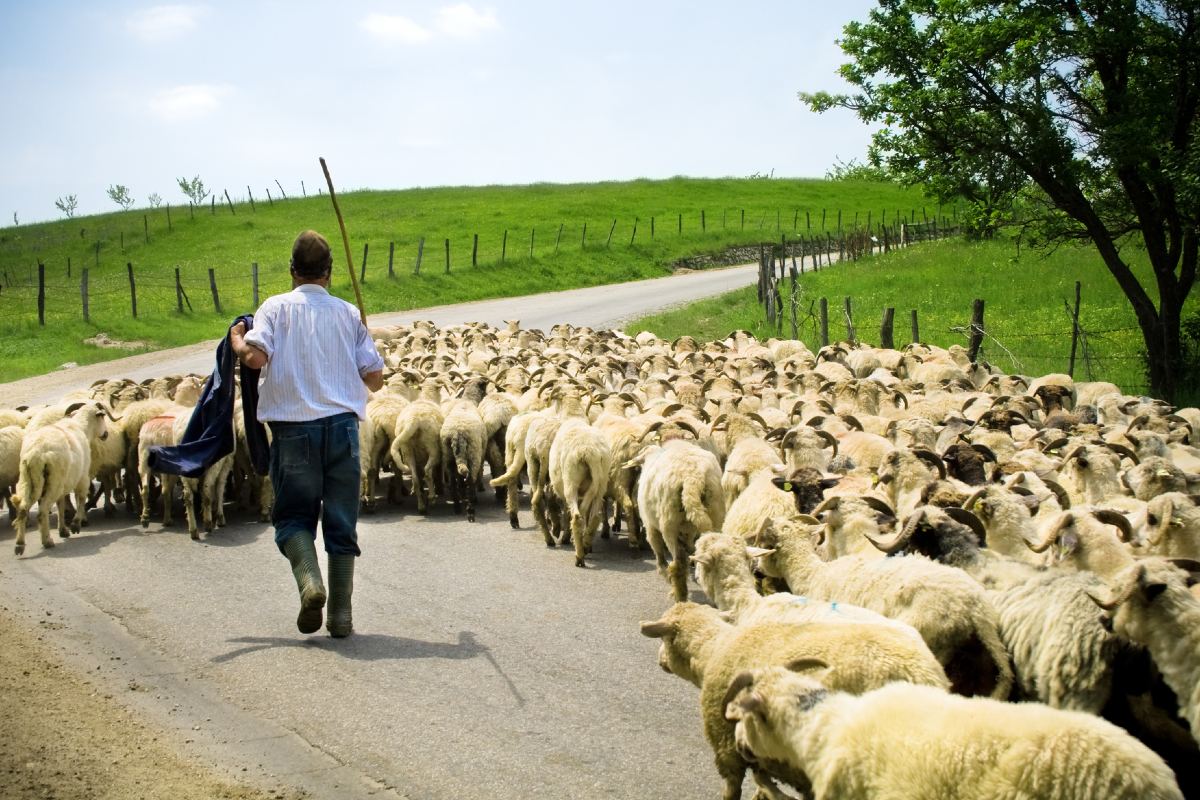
(513,471)
(461,450)
(692,495)
(31,483)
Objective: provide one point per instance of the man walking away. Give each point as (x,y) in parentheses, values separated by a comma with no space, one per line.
(317,361)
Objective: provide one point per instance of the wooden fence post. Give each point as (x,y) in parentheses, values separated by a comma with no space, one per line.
(254,282)
(849,321)
(270,200)
(608,241)
(212,284)
(447,256)
(824,319)
(178,292)
(634,236)
(743,219)
(41,295)
(680,230)
(976,330)
(652,228)
(703,224)
(583,241)
(558,239)
(475,250)
(794,299)
(420,252)
(1074,332)
(83,291)
(132,289)
(146,227)
(504,246)
(227,200)
(250,194)
(362,272)
(532,231)
(916,330)
(68,266)
(191,210)
(391,255)
(122,241)
(169,217)
(97,254)
(303,191)
(281,191)
(212,205)
(885,330)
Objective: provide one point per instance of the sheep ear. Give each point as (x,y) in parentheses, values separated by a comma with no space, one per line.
(749,704)
(742,680)
(758,552)
(657,629)
(782,483)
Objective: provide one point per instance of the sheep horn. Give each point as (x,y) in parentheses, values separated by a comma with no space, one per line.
(1064,498)
(1123,451)
(742,681)
(830,440)
(853,422)
(1110,517)
(1051,535)
(964,517)
(757,418)
(985,451)
(828,504)
(1054,445)
(931,458)
(654,426)
(877,504)
(777,433)
(678,423)
(899,395)
(805,664)
(71,409)
(897,541)
(970,501)
(1115,599)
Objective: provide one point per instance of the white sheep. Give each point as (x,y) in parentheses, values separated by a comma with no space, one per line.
(416,446)
(10,462)
(905,740)
(948,607)
(679,497)
(56,461)
(462,442)
(580,462)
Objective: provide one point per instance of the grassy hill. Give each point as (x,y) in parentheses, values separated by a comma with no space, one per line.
(656,224)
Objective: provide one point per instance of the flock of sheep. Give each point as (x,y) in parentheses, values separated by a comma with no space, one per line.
(896,544)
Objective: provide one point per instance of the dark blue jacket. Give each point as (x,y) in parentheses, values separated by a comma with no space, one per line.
(209,434)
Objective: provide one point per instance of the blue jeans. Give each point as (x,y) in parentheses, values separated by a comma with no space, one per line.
(315,473)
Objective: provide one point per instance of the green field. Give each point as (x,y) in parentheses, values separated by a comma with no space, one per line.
(1027,300)
(689,216)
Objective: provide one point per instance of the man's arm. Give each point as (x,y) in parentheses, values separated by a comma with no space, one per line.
(373,380)
(248,354)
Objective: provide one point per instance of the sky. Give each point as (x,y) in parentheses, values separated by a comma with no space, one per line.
(407,93)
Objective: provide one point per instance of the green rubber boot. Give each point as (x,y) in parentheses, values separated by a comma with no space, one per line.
(302,552)
(341,586)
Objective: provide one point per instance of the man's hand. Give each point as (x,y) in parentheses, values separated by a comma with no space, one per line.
(248,354)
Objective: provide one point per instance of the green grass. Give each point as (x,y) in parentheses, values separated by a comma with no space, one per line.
(229,242)
(1026,298)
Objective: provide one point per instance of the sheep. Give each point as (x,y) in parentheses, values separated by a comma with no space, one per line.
(375,443)
(56,460)
(700,647)
(1154,476)
(679,497)
(11,437)
(761,500)
(905,474)
(747,457)
(849,521)
(1083,539)
(580,461)
(723,570)
(1172,527)
(1091,472)
(462,442)
(1151,605)
(905,740)
(514,458)
(622,435)
(416,445)
(948,608)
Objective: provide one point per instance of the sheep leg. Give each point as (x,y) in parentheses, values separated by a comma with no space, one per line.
(605,528)
(654,537)
(188,486)
(44,522)
(419,487)
(512,503)
(168,495)
(577,533)
(80,517)
(537,504)
(678,571)
(19,522)
(470,489)
(144,496)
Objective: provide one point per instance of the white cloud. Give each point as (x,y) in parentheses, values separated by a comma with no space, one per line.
(182,103)
(161,23)
(463,21)
(395,29)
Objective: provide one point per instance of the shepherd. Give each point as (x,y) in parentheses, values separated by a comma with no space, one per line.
(317,363)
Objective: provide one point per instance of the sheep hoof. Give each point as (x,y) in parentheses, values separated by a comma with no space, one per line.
(512,520)
(470,516)
(579,562)
(19,549)
(49,543)
(82,523)
(264,517)
(145,523)
(195,536)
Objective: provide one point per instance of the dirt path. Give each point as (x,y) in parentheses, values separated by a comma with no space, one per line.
(69,739)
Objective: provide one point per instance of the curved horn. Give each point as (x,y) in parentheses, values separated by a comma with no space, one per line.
(1051,535)
(933,459)
(964,517)
(985,451)
(1054,445)
(897,541)
(1064,498)
(1110,517)
(879,505)
(970,501)
(652,428)
(757,418)
(1116,598)
(742,681)
(852,421)
(776,433)
(71,409)
(829,440)
(828,504)
(1123,451)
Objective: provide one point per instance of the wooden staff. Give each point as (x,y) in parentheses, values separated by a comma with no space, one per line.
(346,243)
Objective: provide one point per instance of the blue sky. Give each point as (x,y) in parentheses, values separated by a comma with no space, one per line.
(402,94)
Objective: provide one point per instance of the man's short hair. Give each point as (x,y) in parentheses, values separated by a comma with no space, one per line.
(310,255)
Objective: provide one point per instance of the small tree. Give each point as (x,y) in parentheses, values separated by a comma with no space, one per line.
(67,205)
(194,189)
(121,195)
(155,199)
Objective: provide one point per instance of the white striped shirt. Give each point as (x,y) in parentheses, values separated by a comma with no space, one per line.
(317,350)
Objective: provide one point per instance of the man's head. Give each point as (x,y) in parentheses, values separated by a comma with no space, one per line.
(311,258)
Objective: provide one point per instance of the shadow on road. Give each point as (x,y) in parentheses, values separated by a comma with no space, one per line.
(364,646)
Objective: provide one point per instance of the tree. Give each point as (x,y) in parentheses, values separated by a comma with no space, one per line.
(193,189)
(67,205)
(155,199)
(1088,109)
(121,196)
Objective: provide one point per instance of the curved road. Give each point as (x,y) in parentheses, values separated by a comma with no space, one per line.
(483,665)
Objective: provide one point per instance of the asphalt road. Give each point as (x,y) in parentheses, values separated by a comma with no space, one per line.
(483,665)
